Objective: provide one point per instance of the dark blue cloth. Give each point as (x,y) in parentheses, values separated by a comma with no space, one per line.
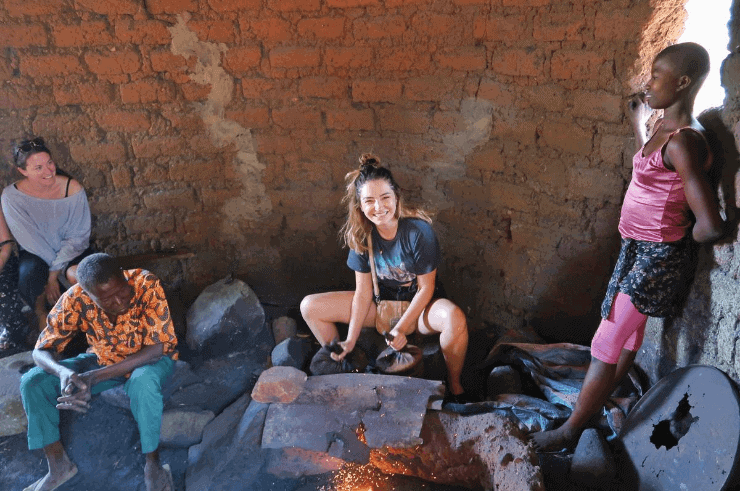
(413,251)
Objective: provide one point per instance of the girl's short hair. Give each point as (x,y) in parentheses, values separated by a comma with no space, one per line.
(689,59)
(25,148)
(357,227)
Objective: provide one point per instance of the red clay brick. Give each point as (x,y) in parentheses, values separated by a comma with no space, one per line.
(166,61)
(519,62)
(502,28)
(470,2)
(62,125)
(429,88)
(109,7)
(234,5)
(597,105)
(217,31)
(349,57)
(380,27)
(559,27)
(429,24)
(121,177)
(94,93)
(293,117)
(293,5)
(449,121)
(256,88)
(50,65)
(142,31)
(567,137)
(87,153)
(114,203)
(215,198)
(19,8)
(275,144)
(146,90)
(321,27)
(294,57)
(371,91)
(271,29)
(576,65)
(193,91)
(486,158)
(404,121)
(162,146)
(85,34)
(195,171)
(257,117)
(324,87)
(620,24)
(171,200)
(23,36)
(352,3)
(150,173)
(18,97)
(126,121)
(350,119)
(403,59)
(241,59)
(500,94)
(113,63)
(467,59)
(171,6)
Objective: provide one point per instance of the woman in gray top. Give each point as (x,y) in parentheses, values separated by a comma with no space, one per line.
(48,214)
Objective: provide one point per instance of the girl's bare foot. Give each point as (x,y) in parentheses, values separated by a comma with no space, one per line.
(50,482)
(158,478)
(554,440)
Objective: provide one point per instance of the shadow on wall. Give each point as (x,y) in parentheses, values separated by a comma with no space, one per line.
(694,336)
(570,306)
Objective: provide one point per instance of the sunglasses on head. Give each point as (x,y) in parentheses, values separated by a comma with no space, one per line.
(28,145)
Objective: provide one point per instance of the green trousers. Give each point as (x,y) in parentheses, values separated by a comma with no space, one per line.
(40,390)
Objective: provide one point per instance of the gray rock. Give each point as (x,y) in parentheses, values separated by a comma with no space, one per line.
(227,318)
(233,458)
(593,463)
(291,352)
(12,416)
(279,384)
(183,427)
(284,328)
(222,381)
(503,380)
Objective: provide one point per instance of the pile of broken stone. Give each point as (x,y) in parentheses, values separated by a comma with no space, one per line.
(243,415)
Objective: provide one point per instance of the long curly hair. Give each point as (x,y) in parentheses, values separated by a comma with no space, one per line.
(356,229)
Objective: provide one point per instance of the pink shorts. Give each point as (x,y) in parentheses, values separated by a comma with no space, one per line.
(623,329)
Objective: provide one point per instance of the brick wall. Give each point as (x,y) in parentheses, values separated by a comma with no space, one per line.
(227,126)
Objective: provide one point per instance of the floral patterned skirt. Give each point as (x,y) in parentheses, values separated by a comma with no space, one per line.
(656,275)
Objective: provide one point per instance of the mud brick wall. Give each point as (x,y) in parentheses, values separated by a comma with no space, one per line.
(227,126)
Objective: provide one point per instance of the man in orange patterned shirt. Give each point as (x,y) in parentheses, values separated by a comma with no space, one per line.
(126,320)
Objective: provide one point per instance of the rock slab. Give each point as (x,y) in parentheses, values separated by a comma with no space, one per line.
(12,416)
(227,317)
(593,463)
(279,384)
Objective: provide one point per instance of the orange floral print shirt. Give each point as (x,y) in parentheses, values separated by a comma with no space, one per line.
(147,322)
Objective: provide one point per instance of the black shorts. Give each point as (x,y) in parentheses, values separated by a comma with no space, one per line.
(406,293)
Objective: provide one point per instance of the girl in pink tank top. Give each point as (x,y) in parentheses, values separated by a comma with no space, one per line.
(656,263)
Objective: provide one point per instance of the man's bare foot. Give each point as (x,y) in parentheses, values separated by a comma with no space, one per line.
(554,440)
(158,478)
(50,482)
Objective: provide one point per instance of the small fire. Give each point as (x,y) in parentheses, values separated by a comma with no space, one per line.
(354,477)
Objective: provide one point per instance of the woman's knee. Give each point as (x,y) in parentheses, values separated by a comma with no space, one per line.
(144,380)
(308,306)
(445,316)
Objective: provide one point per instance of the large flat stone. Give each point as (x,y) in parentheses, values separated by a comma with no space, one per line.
(12,416)
(391,408)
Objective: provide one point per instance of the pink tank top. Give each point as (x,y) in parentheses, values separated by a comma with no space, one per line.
(655,207)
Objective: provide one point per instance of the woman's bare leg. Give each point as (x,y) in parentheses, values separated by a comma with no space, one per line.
(322,311)
(444,317)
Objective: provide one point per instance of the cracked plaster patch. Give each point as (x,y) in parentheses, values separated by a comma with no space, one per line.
(253,203)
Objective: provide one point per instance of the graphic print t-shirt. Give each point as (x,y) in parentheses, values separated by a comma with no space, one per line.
(413,251)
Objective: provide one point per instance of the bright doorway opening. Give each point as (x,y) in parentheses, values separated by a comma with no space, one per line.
(704,26)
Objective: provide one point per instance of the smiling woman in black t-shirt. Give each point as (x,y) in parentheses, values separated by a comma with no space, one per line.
(406,255)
